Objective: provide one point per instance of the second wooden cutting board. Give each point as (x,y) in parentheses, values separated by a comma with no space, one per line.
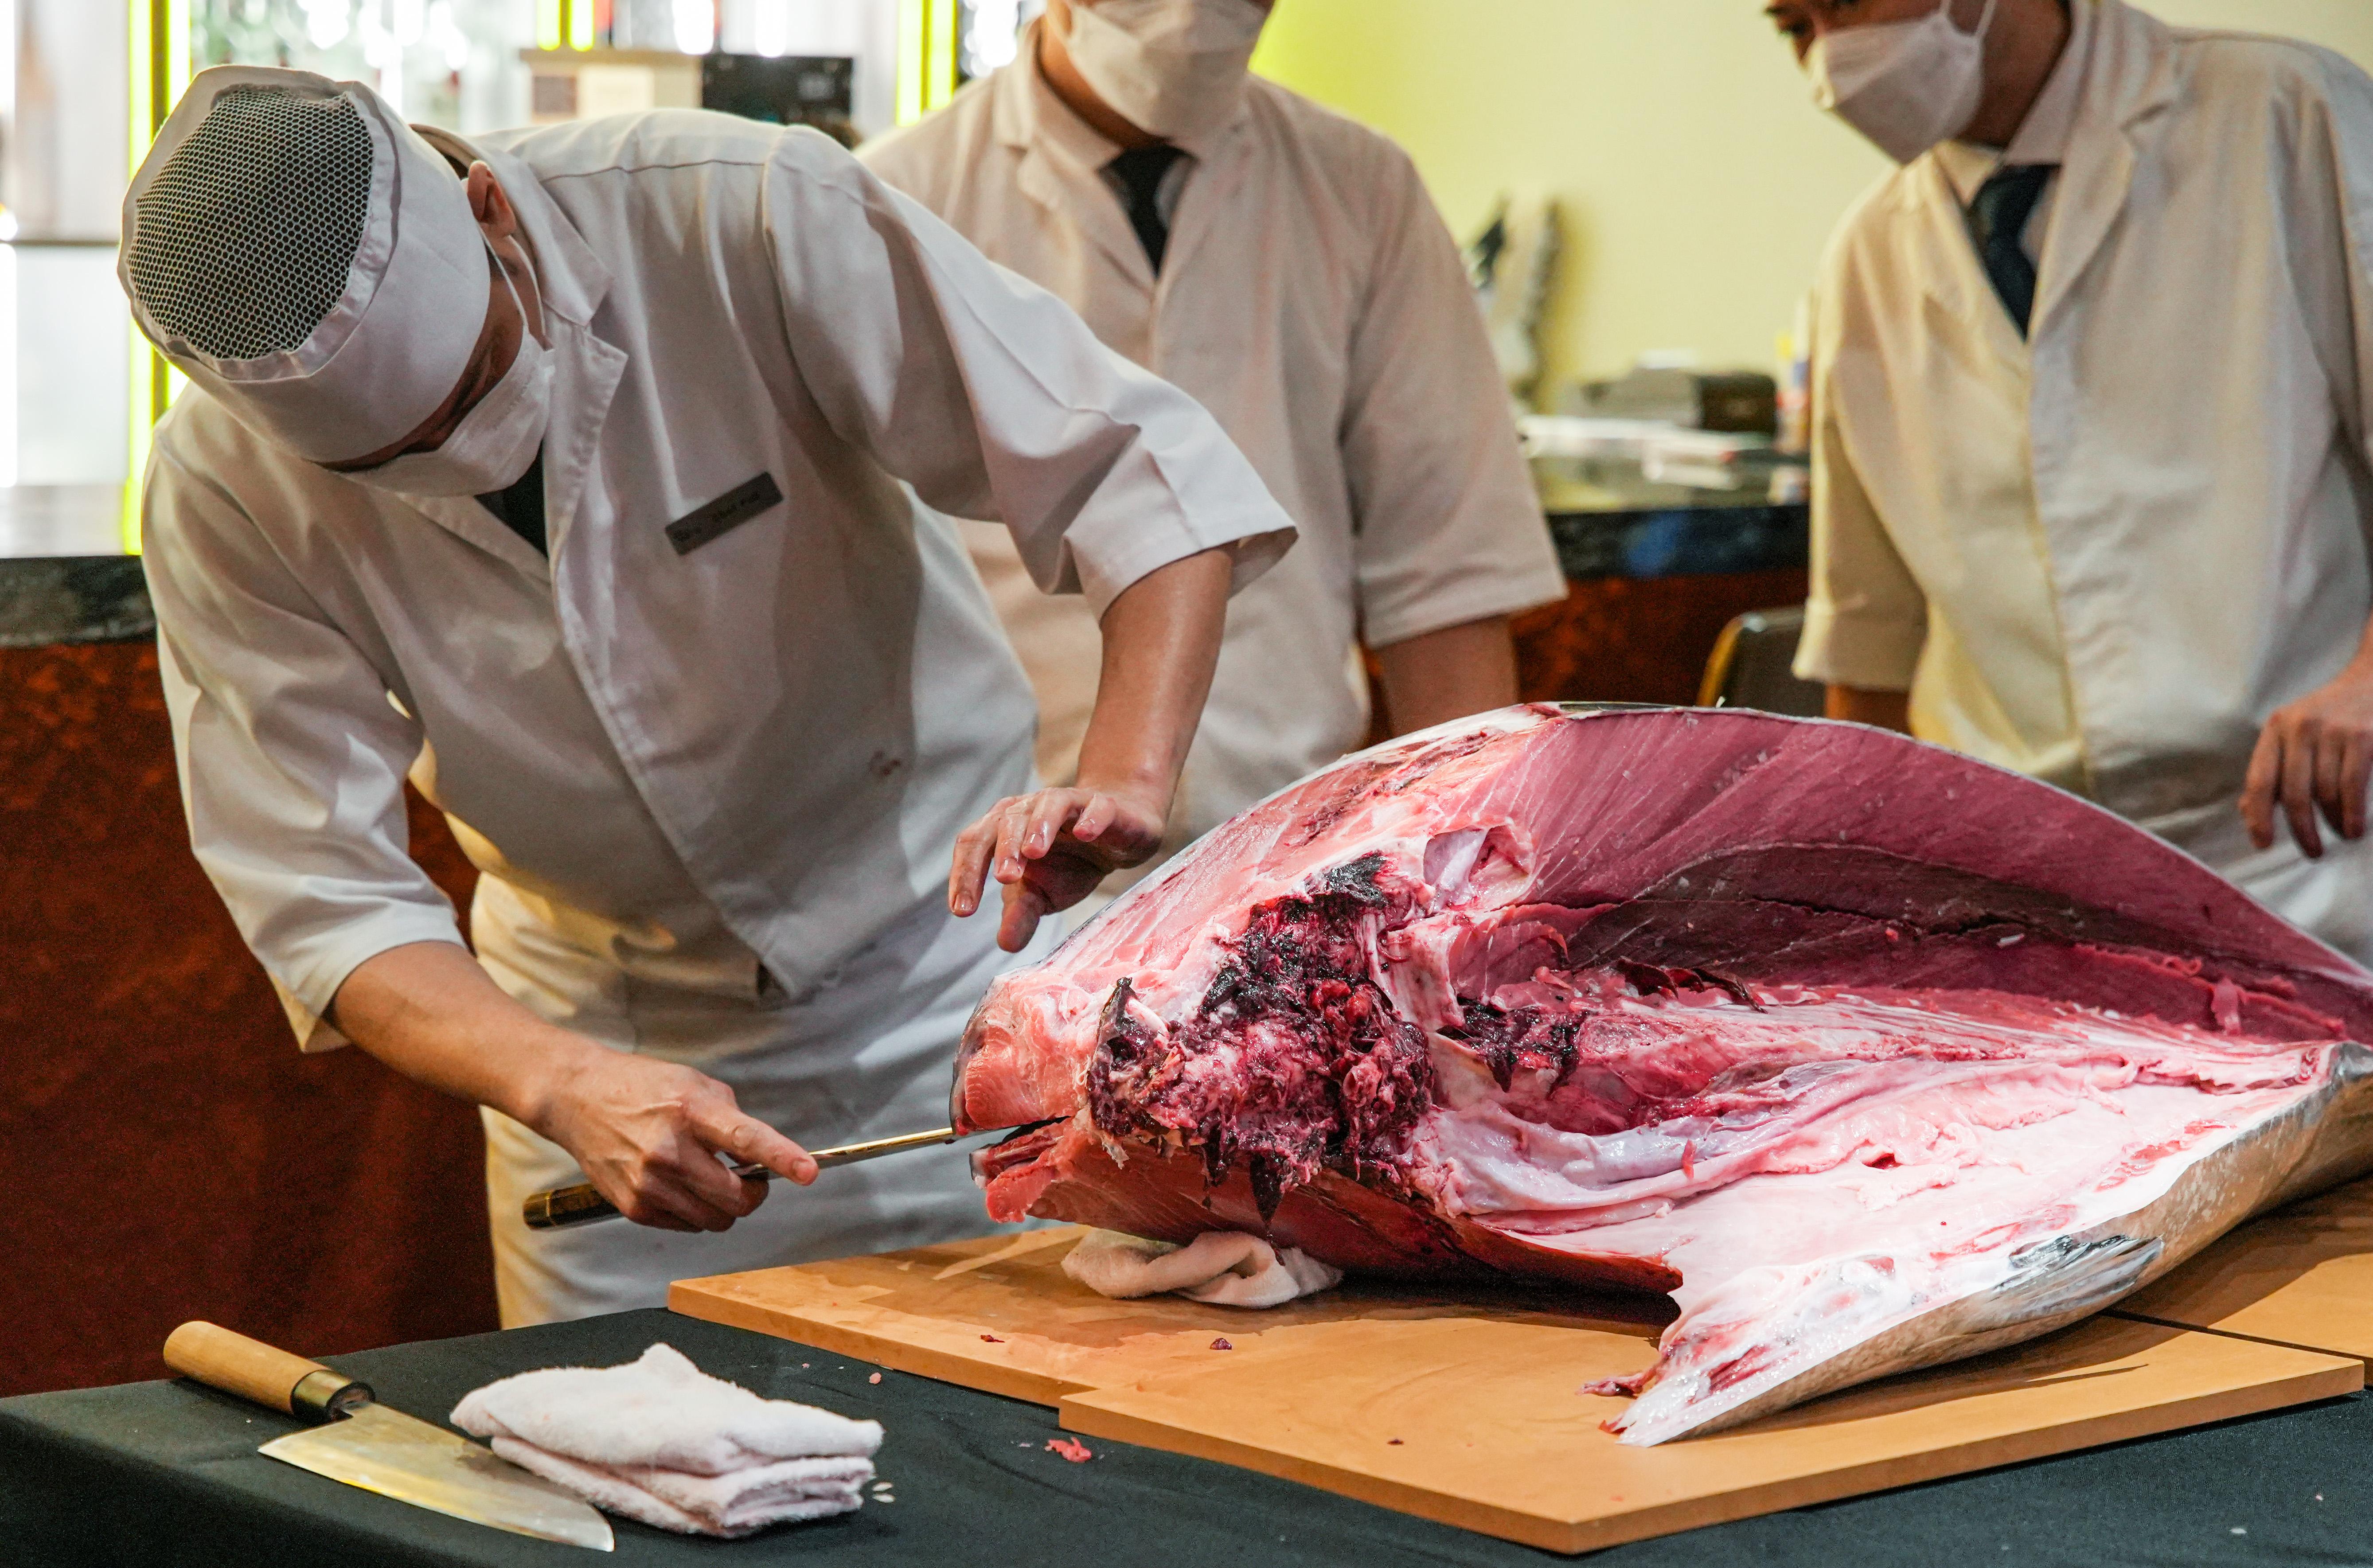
(2301,1276)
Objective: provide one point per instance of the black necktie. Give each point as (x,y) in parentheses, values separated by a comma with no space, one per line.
(1998,221)
(521,508)
(1140,171)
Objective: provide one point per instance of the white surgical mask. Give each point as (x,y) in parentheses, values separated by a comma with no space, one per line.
(1906,86)
(496,442)
(1174,67)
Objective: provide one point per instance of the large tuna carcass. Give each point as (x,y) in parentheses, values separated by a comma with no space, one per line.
(1871,1055)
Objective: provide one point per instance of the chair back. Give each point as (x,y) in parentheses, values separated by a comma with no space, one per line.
(1750,666)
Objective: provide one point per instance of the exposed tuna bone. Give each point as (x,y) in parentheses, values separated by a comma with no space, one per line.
(1871,1055)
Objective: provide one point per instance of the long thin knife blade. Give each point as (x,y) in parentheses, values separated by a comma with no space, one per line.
(390,1453)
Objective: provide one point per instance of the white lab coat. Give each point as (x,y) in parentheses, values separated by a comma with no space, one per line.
(714,794)
(2107,555)
(1311,300)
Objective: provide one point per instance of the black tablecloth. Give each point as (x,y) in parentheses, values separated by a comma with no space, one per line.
(167,1474)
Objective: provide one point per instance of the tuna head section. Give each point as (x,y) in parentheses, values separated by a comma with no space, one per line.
(1294,1059)
(1869,1055)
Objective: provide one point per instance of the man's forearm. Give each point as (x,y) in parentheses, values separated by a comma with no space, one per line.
(1051,847)
(1161,645)
(430,1011)
(1447,674)
(648,1132)
(1860,705)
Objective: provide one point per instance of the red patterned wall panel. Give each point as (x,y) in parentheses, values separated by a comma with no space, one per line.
(1619,639)
(166,1151)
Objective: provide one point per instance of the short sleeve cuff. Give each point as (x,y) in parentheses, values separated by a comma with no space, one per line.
(1255,538)
(308,1000)
(1858,651)
(1456,604)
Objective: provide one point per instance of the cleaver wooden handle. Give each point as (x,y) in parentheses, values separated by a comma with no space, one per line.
(253,1370)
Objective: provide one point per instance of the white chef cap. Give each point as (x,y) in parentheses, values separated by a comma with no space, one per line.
(304,256)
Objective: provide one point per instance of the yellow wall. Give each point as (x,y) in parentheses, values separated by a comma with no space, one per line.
(1698,182)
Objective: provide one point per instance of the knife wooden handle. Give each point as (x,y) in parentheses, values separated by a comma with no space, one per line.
(562,1207)
(558,1208)
(253,1370)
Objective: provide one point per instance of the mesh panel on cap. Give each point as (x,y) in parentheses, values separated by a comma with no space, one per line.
(246,236)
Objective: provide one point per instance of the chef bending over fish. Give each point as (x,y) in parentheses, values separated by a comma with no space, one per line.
(575,475)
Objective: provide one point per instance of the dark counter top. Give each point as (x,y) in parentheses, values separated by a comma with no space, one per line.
(159,1474)
(44,601)
(1607,521)
(1610,520)
(1685,541)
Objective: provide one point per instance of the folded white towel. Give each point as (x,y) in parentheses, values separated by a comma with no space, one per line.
(1224,1267)
(660,1441)
(663,1412)
(737,1505)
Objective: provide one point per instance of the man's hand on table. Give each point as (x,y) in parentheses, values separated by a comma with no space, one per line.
(2315,754)
(647,1132)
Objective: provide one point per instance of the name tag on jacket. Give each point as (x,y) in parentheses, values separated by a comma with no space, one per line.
(721,516)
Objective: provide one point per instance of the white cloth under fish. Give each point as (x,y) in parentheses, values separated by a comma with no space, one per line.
(660,1441)
(1224,1267)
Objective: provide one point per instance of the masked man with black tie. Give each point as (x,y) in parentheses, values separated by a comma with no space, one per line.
(1285,267)
(2094,420)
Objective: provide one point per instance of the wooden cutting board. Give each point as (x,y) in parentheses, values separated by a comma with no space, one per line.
(1481,1388)
(1001,1316)
(2302,1276)
(1494,1439)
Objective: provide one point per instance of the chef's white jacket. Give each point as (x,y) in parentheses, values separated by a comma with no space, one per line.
(1311,298)
(2106,555)
(729,769)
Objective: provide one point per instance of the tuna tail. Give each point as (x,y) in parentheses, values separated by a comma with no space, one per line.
(2041,1286)
(2064,1275)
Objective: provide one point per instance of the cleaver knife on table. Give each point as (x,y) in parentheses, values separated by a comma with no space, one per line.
(365,1443)
(562,1207)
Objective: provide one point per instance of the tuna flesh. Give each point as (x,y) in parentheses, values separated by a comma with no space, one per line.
(1871,1055)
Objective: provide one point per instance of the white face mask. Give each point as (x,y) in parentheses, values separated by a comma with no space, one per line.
(1174,67)
(496,442)
(1906,86)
